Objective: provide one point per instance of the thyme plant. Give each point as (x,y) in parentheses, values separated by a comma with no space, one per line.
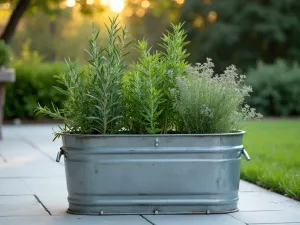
(208,103)
(94,96)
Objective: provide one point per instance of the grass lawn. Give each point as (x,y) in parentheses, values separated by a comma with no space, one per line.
(274,148)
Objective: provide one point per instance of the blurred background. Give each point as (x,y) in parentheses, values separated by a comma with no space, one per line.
(261,37)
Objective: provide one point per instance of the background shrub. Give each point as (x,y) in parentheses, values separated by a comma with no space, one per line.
(34,84)
(276,88)
(4,54)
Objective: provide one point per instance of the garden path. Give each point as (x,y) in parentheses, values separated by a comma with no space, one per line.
(33,191)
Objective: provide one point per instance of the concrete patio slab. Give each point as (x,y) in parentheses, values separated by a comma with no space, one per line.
(193,220)
(56,186)
(28,166)
(248,187)
(274,223)
(266,200)
(13,186)
(20,205)
(274,217)
(74,220)
(56,204)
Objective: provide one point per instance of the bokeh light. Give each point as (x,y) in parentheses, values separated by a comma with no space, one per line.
(90,2)
(145,4)
(128,12)
(212,16)
(140,12)
(104,2)
(198,22)
(180,2)
(116,5)
(70,3)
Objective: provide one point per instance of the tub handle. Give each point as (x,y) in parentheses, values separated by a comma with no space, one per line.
(245,153)
(60,153)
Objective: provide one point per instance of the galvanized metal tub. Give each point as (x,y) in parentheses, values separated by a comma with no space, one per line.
(146,174)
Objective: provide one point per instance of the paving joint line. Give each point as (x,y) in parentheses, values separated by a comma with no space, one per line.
(15,195)
(230,214)
(39,150)
(263,210)
(147,220)
(47,210)
(3,158)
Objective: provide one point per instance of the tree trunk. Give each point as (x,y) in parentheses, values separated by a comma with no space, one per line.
(14,20)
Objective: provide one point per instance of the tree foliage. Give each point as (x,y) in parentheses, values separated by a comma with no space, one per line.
(53,6)
(4,54)
(50,7)
(241,31)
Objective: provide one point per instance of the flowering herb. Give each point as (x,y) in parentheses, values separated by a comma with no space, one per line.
(208,103)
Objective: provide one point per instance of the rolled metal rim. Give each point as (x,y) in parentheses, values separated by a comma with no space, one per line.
(155,135)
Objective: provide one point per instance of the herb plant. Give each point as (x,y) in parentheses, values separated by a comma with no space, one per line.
(159,93)
(149,100)
(94,96)
(209,103)
(144,94)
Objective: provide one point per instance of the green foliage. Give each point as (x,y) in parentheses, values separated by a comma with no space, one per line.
(174,59)
(276,88)
(29,57)
(108,67)
(4,54)
(241,31)
(144,94)
(149,100)
(212,104)
(53,7)
(274,147)
(159,94)
(34,83)
(94,96)
(62,33)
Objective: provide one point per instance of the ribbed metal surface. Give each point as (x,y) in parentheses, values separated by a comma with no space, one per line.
(146,174)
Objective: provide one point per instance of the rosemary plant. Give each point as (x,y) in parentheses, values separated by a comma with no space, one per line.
(149,98)
(174,59)
(144,94)
(94,96)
